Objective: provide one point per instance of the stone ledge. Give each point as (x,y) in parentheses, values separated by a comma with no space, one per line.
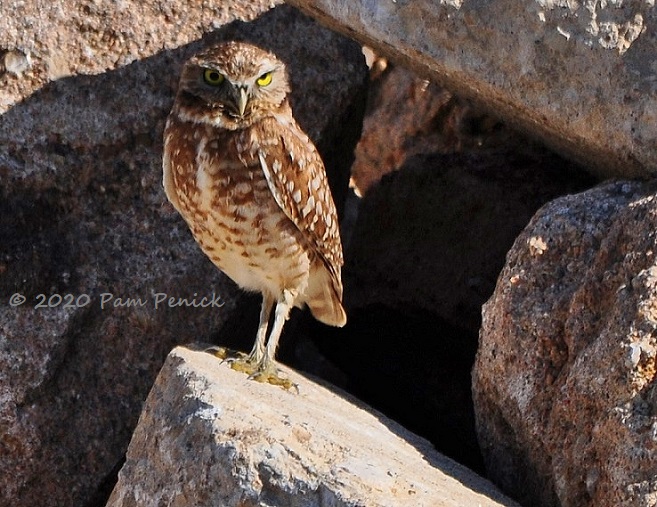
(209,436)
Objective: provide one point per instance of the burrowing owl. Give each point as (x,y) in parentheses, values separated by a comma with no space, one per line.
(253,190)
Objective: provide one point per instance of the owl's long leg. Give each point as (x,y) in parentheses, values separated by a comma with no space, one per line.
(251,364)
(282,313)
(257,354)
(266,369)
(260,362)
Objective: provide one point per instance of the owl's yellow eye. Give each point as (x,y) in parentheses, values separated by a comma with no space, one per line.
(264,80)
(212,77)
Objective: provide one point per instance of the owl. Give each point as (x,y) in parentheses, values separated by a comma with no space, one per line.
(253,190)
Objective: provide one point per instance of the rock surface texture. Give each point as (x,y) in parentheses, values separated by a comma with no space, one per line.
(209,436)
(578,75)
(564,381)
(85,88)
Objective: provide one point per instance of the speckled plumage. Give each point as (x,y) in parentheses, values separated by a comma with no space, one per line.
(252,187)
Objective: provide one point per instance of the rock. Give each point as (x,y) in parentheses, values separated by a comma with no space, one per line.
(577,75)
(415,108)
(564,381)
(454,188)
(86,232)
(426,119)
(209,436)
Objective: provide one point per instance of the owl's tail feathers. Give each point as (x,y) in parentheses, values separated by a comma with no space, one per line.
(325,298)
(328,312)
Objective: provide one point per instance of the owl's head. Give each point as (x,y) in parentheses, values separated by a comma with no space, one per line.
(232,85)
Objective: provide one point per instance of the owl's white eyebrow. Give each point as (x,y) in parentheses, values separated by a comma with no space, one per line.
(268,67)
(216,68)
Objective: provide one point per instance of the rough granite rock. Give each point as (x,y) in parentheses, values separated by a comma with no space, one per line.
(209,436)
(564,381)
(578,75)
(85,88)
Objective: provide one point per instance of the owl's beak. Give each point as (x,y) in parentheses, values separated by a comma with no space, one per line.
(242,99)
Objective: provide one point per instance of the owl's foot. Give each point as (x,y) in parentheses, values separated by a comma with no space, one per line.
(245,363)
(238,361)
(272,375)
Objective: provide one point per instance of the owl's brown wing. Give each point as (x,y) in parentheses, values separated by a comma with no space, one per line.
(297,179)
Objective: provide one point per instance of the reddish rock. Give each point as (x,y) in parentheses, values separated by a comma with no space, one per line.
(564,381)
(403,119)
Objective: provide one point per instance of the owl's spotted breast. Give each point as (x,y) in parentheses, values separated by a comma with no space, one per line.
(224,197)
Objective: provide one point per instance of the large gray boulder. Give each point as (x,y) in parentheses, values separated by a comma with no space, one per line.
(578,75)
(209,436)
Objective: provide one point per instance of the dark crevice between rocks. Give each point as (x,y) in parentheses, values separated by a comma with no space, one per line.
(104,490)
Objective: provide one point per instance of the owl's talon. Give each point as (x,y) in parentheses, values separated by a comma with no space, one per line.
(220,352)
(225,354)
(272,376)
(243,364)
